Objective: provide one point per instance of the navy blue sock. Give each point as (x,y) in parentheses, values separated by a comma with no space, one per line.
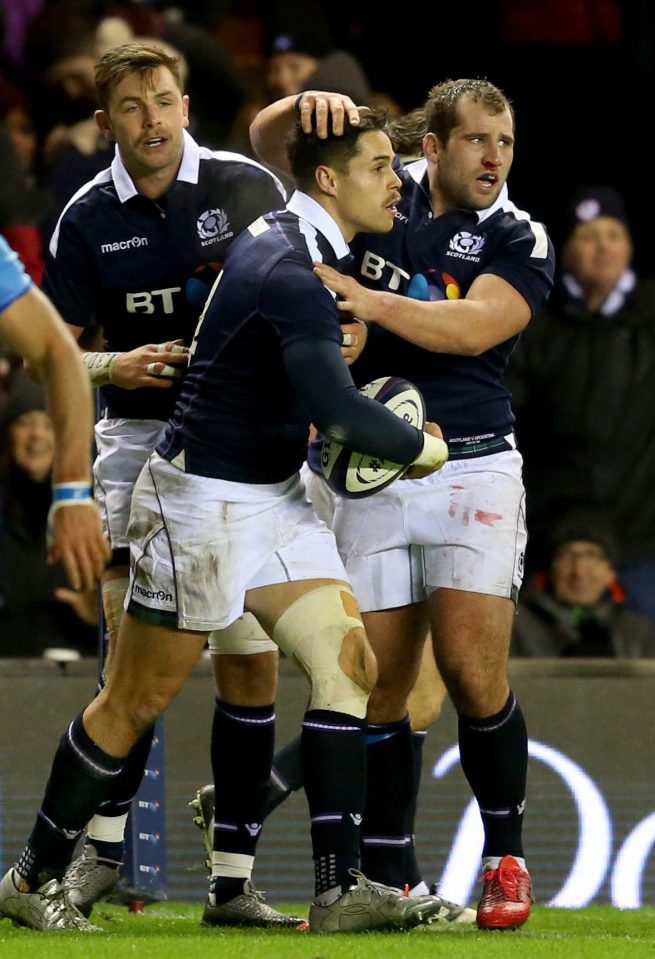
(333,758)
(242,752)
(494,757)
(80,777)
(286,775)
(387,829)
(121,793)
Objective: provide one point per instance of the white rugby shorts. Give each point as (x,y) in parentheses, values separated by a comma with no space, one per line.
(197,544)
(462,527)
(123,446)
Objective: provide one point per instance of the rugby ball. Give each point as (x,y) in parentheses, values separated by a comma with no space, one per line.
(355,475)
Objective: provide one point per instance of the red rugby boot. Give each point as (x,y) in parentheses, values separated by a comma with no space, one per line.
(506,896)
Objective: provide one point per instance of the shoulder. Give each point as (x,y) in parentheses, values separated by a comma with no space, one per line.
(85,203)
(229,165)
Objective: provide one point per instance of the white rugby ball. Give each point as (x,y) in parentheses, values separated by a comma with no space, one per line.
(355,475)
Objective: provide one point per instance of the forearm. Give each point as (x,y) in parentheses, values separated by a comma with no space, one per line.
(491,313)
(458,327)
(339,410)
(269,132)
(38,333)
(70,406)
(99,367)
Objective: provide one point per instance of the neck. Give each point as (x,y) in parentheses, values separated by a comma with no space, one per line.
(155,185)
(348,231)
(595,296)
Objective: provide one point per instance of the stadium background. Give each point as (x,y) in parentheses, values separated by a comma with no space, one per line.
(590,827)
(579,72)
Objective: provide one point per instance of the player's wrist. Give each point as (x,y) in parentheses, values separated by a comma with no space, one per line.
(434,453)
(100,367)
(72,493)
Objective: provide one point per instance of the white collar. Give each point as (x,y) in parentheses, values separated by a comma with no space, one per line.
(188,171)
(614,300)
(307,208)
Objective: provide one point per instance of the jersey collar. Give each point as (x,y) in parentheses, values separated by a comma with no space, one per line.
(418,170)
(188,172)
(308,209)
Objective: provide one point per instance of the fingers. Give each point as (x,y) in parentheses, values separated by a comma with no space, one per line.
(325,113)
(163,369)
(173,346)
(80,545)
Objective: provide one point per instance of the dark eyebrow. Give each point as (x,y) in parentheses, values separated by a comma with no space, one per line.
(135,99)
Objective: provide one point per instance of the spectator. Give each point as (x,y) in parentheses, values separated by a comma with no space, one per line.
(302,56)
(583,385)
(577,608)
(37,609)
(21,203)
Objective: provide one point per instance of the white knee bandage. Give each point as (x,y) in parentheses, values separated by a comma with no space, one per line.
(114,592)
(242,637)
(323,633)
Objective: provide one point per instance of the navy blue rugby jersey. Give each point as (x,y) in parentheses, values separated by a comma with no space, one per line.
(14,281)
(438,258)
(266,361)
(141,269)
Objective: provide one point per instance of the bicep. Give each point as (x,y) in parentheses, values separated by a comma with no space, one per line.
(505,311)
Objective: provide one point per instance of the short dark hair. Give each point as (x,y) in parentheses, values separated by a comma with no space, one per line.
(128,58)
(306,151)
(441,106)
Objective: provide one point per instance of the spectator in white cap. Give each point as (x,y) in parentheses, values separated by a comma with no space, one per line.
(583,387)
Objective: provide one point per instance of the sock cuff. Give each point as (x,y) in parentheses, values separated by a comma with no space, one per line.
(248,714)
(98,763)
(490,723)
(378,732)
(328,720)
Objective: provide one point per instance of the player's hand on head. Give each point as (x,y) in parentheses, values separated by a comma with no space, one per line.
(355,333)
(322,112)
(78,540)
(438,454)
(353,297)
(156,364)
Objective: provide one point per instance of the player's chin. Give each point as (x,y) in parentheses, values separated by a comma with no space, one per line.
(386,220)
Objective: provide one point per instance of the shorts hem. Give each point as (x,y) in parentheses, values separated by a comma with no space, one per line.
(158,617)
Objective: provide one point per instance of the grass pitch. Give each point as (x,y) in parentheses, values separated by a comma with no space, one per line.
(172,931)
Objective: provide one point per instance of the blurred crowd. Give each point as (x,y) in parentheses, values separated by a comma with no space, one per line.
(581,377)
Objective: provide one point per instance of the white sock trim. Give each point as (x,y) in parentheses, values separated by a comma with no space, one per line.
(107,828)
(232,865)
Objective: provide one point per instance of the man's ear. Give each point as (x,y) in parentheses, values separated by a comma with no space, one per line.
(326,180)
(185,110)
(431,147)
(103,124)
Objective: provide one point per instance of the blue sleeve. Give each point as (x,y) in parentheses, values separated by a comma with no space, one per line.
(526,260)
(14,281)
(337,408)
(70,274)
(297,304)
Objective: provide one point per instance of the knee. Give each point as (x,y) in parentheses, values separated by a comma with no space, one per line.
(248,679)
(128,717)
(322,632)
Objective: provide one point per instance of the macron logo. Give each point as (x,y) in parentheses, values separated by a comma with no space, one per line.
(132,244)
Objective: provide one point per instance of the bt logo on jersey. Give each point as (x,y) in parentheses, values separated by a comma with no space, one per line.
(374,265)
(145,303)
